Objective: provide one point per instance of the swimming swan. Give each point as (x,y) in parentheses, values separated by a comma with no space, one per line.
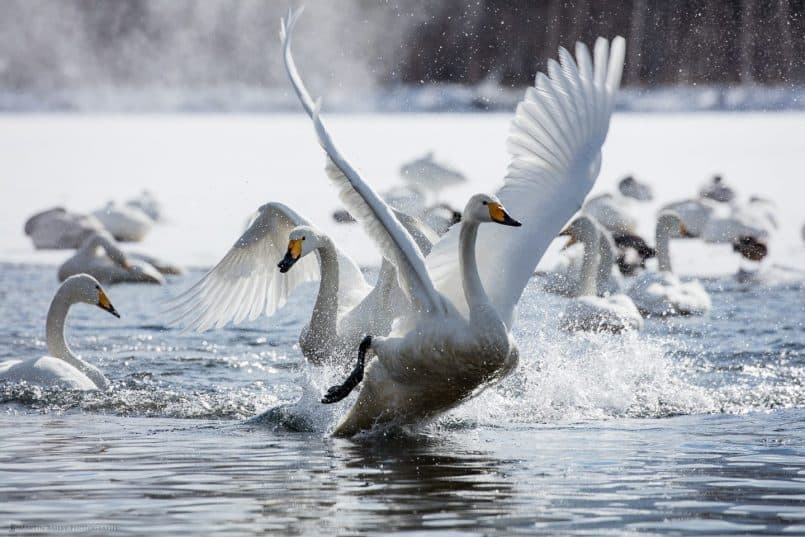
(61,367)
(662,293)
(246,284)
(100,257)
(458,336)
(593,308)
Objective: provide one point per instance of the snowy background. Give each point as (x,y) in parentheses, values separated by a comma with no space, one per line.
(104,99)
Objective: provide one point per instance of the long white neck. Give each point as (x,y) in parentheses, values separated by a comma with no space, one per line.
(662,243)
(586,285)
(325,311)
(606,252)
(97,240)
(57,345)
(473,287)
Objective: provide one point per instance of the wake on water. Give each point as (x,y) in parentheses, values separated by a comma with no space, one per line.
(671,368)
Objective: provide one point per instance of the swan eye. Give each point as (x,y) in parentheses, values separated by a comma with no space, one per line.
(484,202)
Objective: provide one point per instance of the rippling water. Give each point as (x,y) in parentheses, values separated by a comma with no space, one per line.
(693,426)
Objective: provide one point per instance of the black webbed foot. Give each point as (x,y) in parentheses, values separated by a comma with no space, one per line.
(338,392)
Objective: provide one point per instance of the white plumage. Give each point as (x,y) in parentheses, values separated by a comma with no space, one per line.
(62,368)
(100,257)
(662,293)
(458,339)
(592,307)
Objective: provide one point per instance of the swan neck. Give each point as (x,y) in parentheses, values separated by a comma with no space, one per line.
(325,311)
(589,267)
(473,287)
(54,328)
(662,242)
(605,262)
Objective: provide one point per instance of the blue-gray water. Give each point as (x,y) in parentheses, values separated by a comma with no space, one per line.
(693,426)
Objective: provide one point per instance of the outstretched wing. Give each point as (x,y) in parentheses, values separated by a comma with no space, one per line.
(246,282)
(394,241)
(555,143)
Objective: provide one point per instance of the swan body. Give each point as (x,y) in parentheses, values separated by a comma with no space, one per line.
(407,382)
(125,223)
(427,173)
(148,204)
(100,257)
(662,293)
(62,367)
(58,229)
(613,212)
(611,311)
(755,219)
(694,215)
(457,337)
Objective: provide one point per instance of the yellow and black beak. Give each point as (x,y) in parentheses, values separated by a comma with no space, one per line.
(499,215)
(105,304)
(291,256)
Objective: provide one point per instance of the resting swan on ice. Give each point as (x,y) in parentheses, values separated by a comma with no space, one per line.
(587,310)
(457,338)
(61,367)
(662,293)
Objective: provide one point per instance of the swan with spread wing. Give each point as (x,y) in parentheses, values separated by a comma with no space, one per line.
(246,284)
(457,337)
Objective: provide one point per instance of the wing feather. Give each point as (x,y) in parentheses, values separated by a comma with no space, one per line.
(570,109)
(363,203)
(246,282)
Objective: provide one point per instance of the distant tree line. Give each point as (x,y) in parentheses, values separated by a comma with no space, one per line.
(668,41)
(50,46)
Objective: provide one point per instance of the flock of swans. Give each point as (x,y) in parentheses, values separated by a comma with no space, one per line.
(436,327)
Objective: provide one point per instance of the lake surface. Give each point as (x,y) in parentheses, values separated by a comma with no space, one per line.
(694,426)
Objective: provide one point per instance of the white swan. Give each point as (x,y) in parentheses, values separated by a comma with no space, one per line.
(426,173)
(125,223)
(756,219)
(102,259)
(613,211)
(148,204)
(569,270)
(592,308)
(56,228)
(61,367)
(246,284)
(694,215)
(458,338)
(662,293)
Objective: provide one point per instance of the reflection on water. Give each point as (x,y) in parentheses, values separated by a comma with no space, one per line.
(694,426)
(696,474)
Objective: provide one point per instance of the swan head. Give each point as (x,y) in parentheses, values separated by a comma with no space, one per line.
(670,221)
(582,229)
(84,288)
(485,208)
(301,241)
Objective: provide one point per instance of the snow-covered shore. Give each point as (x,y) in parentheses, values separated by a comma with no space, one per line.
(211,172)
